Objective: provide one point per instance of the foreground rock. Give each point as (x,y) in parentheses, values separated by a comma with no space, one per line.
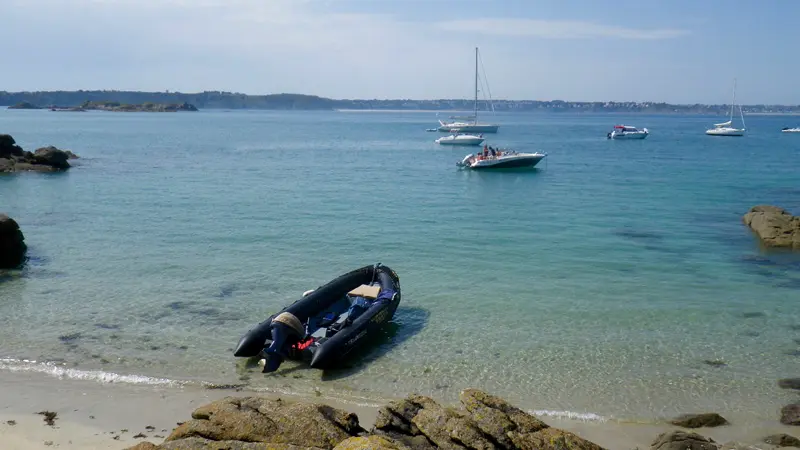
(12,243)
(774,226)
(790,414)
(681,440)
(782,440)
(699,420)
(484,422)
(46,159)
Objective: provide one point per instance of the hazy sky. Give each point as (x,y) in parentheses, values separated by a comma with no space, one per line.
(682,51)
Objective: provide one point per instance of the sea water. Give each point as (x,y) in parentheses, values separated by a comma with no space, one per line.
(614,280)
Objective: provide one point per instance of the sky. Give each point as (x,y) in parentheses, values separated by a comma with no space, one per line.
(676,51)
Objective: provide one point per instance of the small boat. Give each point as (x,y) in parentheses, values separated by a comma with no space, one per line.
(726,128)
(460,139)
(327,323)
(432,129)
(626,132)
(502,159)
(790,130)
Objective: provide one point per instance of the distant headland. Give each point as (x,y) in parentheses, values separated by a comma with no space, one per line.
(176,101)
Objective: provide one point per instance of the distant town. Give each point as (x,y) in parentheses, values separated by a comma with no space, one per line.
(232,100)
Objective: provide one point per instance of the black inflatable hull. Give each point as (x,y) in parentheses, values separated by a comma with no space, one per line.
(326,352)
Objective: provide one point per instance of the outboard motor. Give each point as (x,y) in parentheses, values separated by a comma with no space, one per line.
(285,328)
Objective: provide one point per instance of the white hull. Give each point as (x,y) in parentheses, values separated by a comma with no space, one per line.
(461,139)
(463,127)
(629,135)
(725,132)
(791,130)
(506,161)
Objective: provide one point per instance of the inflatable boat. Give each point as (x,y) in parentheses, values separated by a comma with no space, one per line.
(327,323)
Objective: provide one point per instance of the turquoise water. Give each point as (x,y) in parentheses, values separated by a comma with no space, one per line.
(598,283)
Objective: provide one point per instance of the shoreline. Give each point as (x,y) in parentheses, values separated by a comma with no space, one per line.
(98,415)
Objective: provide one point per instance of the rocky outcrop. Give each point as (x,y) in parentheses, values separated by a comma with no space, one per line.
(681,440)
(774,226)
(24,105)
(699,420)
(143,107)
(782,440)
(483,422)
(12,243)
(46,159)
(790,414)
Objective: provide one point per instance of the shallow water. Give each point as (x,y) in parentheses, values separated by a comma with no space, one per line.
(605,281)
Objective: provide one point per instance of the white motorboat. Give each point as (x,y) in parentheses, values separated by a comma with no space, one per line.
(790,130)
(727,128)
(470,124)
(460,139)
(627,132)
(502,159)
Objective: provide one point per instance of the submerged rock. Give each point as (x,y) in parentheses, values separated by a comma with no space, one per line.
(681,440)
(699,420)
(774,226)
(789,383)
(12,243)
(782,440)
(790,414)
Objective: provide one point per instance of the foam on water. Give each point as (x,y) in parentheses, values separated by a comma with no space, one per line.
(58,370)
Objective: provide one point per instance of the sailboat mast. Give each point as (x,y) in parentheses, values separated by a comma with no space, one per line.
(733,102)
(475,112)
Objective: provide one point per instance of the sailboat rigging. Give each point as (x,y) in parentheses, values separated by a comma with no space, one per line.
(471,125)
(726,128)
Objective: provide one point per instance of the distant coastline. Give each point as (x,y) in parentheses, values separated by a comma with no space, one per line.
(232,100)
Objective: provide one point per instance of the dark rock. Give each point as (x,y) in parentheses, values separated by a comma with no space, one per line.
(9,147)
(699,420)
(12,243)
(782,440)
(24,105)
(774,226)
(789,383)
(681,440)
(51,156)
(71,155)
(790,414)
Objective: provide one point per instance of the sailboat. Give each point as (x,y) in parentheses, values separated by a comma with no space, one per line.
(470,124)
(726,128)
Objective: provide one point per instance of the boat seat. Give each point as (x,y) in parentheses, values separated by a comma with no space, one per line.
(370,292)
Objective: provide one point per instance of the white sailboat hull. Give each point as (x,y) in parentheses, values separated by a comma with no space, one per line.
(629,134)
(791,130)
(461,139)
(463,127)
(726,131)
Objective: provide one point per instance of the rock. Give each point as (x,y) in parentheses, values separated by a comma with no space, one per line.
(71,155)
(782,440)
(51,156)
(699,420)
(144,446)
(256,419)
(370,443)
(681,440)
(789,383)
(485,422)
(9,147)
(12,243)
(774,226)
(790,414)
(7,165)
(196,443)
(24,105)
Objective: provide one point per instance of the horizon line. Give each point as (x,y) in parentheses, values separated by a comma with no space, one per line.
(168,92)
